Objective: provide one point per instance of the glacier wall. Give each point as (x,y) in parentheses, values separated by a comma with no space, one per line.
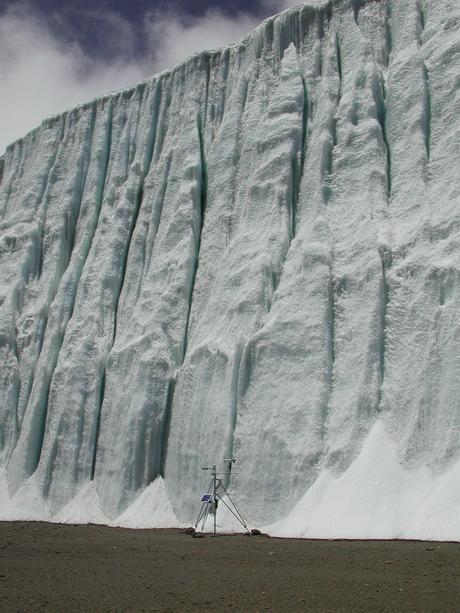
(255,254)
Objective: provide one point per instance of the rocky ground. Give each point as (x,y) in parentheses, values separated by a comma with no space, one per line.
(49,567)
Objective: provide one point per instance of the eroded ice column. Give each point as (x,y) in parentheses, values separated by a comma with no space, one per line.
(26,193)
(422,390)
(79,219)
(261,222)
(76,387)
(143,362)
(154,305)
(358,214)
(285,377)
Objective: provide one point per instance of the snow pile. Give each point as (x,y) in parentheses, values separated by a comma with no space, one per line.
(377,497)
(151,509)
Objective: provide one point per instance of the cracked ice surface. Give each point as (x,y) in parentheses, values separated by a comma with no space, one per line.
(255,254)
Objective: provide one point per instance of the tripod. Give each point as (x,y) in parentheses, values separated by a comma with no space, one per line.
(210,500)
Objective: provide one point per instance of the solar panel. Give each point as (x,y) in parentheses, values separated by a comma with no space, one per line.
(206,498)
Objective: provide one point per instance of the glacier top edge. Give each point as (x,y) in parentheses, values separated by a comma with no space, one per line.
(314,6)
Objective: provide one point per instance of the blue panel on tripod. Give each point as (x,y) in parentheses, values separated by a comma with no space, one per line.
(206,498)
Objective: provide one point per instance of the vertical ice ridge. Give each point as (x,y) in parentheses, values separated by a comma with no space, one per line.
(154,222)
(124,303)
(32,196)
(104,158)
(262,205)
(28,382)
(303,409)
(151,113)
(298,172)
(164,437)
(234,395)
(12,173)
(388,46)
(71,228)
(139,163)
(242,96)
(153,199)
(295,111)
(137,207)
(332,124)
(69,200)
(331,114)
(355,218)
(70,224)
(152,144)
(67,457)
(27,453)
(20,286)
(386,261)
(45,200)
(388,39)
(330,319)
(145,358)
(6,187)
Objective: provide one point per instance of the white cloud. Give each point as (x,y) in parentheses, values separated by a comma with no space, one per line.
(172,37)
(41,74)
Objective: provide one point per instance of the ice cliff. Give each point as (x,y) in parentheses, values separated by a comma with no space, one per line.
(255,254)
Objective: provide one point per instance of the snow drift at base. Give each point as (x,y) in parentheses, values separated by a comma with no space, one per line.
(375,498)
(378,498)
(151,509)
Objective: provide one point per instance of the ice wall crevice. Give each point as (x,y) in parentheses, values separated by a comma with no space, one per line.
(381,115)
(427,112)
(202,187)
(254,254)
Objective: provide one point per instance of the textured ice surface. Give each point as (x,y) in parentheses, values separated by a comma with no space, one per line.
(255,254)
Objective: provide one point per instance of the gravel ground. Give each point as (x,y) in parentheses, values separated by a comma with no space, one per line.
(52,567)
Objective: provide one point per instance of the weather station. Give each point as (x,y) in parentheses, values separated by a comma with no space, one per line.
(216,494)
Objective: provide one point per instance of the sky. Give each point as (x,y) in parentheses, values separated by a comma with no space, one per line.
(55,54)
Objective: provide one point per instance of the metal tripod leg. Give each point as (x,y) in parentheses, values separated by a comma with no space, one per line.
(235,511)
